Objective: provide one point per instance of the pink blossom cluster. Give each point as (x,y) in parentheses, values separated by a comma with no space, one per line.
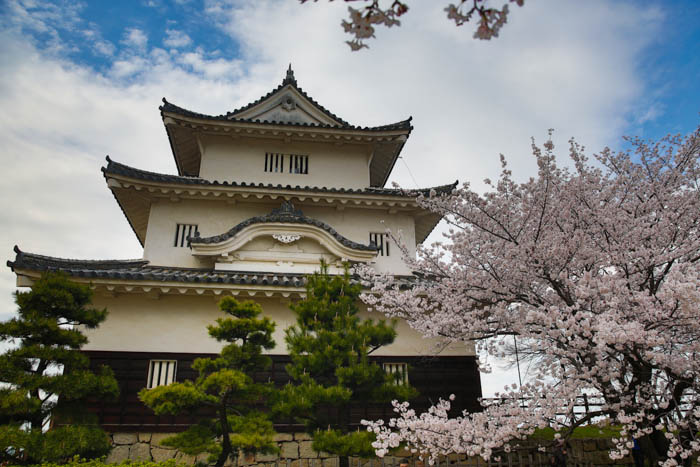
(361,23)
(491,20)
(596,269)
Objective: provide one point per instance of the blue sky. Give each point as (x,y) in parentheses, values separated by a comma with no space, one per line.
(81,80)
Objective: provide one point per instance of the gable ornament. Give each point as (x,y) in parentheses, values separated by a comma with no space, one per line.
(286,238)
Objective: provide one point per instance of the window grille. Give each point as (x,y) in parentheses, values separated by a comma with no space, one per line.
(161,373)
(398,372)
(274,162)
(298,164)
(380,239)
(182,231)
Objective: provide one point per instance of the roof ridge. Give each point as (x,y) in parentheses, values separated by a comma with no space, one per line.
(111,164)
(288,81)
(291,81)
(22,257)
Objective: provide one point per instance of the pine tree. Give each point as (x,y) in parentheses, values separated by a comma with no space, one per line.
(225,385)
(329,347)
(45,376)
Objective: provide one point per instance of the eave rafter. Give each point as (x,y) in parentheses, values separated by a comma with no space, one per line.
(283,132)
(155,190)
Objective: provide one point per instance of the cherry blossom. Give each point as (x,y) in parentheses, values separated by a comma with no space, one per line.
(596,269)
(362,21)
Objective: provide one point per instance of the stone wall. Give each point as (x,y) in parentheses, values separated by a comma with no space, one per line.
(295,448)
(296,451)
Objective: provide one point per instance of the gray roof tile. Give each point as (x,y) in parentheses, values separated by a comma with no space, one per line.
(141,270)
(121,169)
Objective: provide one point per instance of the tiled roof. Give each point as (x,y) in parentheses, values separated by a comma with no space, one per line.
(120,169)
(137,269)
(289,80)
(230,117)
(285,214)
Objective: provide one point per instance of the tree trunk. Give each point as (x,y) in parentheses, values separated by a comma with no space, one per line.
(225,440)
(344,425)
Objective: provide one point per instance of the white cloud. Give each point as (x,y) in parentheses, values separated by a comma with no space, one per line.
(176,39)
(104,47)
(569,65)
(128,67)
(214,69)
(135,37)
(43,16)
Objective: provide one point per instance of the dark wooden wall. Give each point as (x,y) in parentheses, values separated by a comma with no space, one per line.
(434,377)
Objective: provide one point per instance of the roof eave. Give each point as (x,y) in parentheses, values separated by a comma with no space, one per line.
(140,238)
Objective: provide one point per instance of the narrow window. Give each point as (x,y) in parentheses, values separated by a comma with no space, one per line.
(301,164)
(161,373)
(298,164)
(398,372)
(381,240)
(182,231)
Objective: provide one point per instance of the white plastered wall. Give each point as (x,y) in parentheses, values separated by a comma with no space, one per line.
(217,216)
(243,160)
(137,323)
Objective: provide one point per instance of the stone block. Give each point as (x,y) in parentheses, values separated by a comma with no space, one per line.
(283,437)
(144,437)
(604,445)
(265,457)
(306,451)
(302,436)
(590,445)
(183,458)
(324,454)
(124,438)
(247,459)
(118,455)
(157,438)
(161,454)
(330,462)
(140,452)
(290,450)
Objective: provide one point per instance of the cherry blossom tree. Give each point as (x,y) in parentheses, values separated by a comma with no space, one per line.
(362,21)
(597,269)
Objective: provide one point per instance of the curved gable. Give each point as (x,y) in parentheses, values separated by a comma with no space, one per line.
(284,239)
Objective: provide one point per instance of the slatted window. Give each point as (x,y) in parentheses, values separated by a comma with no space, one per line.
(161,373)
(398,372)
(183,231)
(380,239)
(296,163)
